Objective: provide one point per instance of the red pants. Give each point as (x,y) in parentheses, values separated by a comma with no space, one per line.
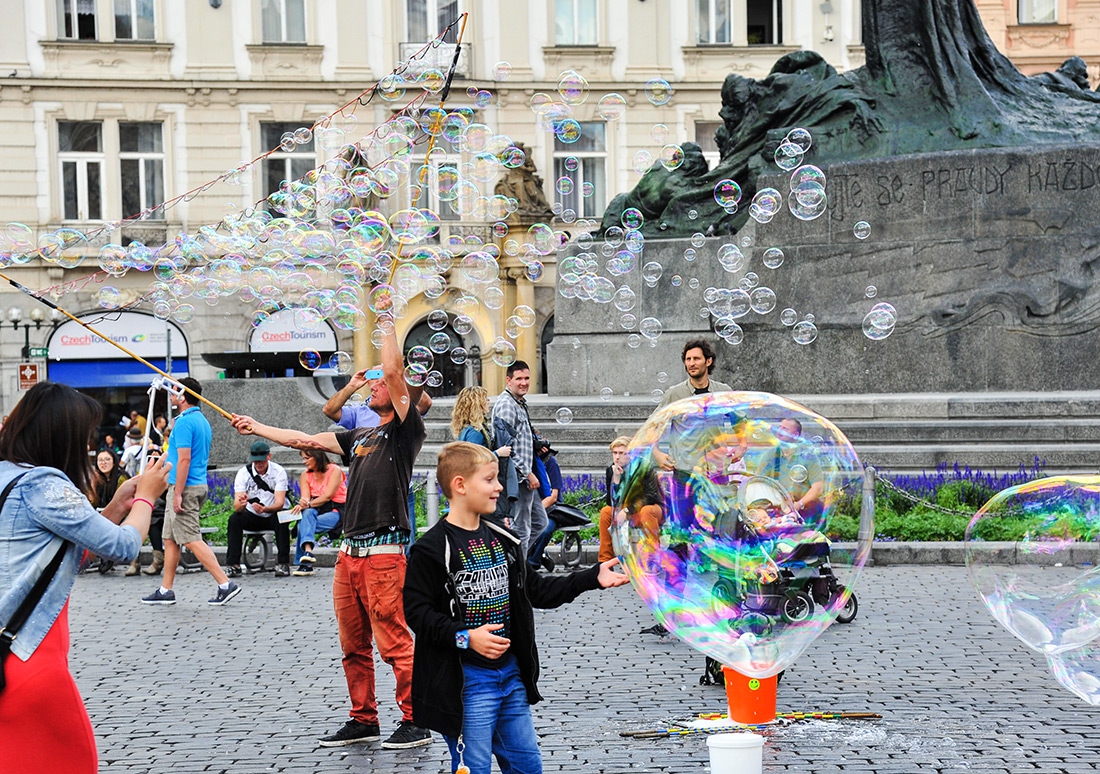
(367,595)
(43,723)
(649,518)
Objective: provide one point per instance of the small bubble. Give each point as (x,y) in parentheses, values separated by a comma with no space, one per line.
(564,415)
(862,230)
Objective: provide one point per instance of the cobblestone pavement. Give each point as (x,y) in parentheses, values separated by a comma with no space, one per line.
(250,686)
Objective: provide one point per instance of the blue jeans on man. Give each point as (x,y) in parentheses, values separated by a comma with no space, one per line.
(496,721)
(310,523)
(538,547)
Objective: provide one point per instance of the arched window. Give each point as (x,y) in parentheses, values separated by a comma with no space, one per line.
(455,375)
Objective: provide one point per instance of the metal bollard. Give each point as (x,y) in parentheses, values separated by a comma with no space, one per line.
(432,504)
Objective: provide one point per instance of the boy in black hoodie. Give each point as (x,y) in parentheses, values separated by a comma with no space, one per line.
(469,599)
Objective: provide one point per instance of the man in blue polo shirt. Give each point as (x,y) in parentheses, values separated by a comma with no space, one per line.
(188,452)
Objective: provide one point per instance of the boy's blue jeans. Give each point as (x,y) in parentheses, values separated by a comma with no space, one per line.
(308,526)
(496,720)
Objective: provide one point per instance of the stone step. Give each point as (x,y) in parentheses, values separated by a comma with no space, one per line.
(901,432)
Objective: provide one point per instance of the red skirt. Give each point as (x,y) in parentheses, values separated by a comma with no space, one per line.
(43,723)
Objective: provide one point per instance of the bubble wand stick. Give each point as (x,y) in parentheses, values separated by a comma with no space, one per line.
(90,329)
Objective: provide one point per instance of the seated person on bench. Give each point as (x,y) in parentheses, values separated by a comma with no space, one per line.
(259,495)
(324,490)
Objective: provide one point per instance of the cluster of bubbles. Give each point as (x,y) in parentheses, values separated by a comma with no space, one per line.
(708,529)
(340,242)
(1046,599)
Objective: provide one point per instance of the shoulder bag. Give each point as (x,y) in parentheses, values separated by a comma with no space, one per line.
(20,616)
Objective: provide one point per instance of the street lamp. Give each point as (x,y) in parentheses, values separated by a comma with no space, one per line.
(15,315)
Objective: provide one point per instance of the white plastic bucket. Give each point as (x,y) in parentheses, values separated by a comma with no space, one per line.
(736,753)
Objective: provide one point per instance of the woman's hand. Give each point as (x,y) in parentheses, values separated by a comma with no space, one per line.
(504,451)
(154,481)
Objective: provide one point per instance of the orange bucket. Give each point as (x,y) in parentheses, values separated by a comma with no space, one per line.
(751,699)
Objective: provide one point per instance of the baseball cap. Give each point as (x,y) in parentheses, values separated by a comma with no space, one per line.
(259,451)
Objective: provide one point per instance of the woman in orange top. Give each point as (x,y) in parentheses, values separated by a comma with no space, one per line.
(324,488)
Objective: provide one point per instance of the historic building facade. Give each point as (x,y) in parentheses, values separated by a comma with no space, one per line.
(109,107)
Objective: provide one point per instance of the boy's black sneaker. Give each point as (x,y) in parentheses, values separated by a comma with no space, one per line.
(303,570)
(351,732)
(408,734)
(282,571)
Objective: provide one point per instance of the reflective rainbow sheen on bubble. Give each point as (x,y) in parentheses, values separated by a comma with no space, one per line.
(1050,598)
(715,545)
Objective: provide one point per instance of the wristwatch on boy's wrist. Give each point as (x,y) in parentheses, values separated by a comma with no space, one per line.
(462,639)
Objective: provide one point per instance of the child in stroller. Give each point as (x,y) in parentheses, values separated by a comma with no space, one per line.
(778,566)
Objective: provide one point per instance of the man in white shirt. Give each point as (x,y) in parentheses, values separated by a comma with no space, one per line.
(259,494)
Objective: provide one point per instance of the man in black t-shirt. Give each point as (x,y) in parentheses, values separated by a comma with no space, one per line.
(370,569)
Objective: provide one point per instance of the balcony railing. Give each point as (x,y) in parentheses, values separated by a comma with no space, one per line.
(439,57)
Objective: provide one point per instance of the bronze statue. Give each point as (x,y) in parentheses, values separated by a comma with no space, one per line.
(933,81)
(525,186)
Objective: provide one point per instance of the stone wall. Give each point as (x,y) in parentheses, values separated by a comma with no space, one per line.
(293,403)
(988,256)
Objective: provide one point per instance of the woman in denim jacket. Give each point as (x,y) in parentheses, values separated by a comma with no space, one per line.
(43,723)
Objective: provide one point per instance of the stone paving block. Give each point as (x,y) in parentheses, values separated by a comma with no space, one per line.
(250,686)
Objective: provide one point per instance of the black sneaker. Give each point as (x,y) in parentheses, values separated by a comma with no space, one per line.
(303,570)
(224,595)
(408,734)
(234,572)
(308,558)
(351,732)
(159,598)
(282,571)
(657,629)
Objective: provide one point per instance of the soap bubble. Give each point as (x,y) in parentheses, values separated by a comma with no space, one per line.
(715,547)
(643,160)
(672,156)
(727,193)
(1054,611)
(634,341)
(807,200)
(503,353)
(437,319)
(420,357)
(573,87)
(459,355)
(651,328)
(501,71)
(606,393)
(870,291)
(341,363)
(861,230)
(800,137)
(632,218)
(568,131)
(773,257)
(788,317)
(310,359)
(762,300)
(804,332)
(109,297)
(658,91)
(662,377)
(651,272)
(611,107)
(765,205)
(439,343)
(788,156)
(563,415)
(658,133)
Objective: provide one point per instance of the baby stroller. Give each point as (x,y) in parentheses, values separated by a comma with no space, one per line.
(778,566)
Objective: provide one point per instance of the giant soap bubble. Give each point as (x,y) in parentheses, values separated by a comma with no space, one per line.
(1044,599)
(722,525)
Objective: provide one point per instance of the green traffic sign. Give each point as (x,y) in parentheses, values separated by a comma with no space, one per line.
(39,352)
